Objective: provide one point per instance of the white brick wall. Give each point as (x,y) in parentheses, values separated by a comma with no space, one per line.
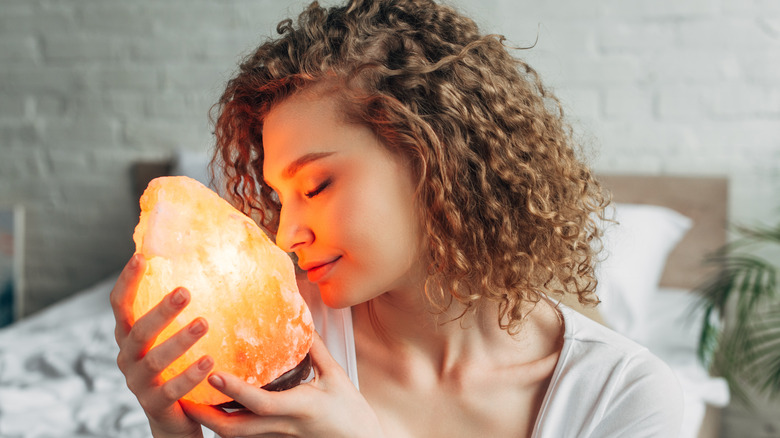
(86,88)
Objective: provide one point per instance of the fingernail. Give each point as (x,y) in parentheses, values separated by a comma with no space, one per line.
(198,327)
(133,261)
(216,381)
(179,297)
(205,363)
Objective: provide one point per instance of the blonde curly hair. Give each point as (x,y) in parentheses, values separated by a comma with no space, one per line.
(506,205)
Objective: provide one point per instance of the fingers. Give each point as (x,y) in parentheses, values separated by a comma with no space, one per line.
(331,406)
(178,386)
(172,348)
(142,365)
(142,371)
(271,403)
(145,331)
(159,358)
(123,294)
(257,400)
(240,423)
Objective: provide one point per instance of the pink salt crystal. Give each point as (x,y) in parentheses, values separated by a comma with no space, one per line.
(240,282)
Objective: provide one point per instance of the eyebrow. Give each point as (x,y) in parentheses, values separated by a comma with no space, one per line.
(302,161)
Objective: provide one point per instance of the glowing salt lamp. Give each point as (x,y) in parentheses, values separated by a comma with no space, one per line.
(239,281)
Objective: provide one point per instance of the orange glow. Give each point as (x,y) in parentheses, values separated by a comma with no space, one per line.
(240,282)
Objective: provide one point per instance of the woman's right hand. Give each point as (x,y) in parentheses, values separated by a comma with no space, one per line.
(142,364)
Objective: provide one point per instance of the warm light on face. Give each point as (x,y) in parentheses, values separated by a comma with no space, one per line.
(240,282)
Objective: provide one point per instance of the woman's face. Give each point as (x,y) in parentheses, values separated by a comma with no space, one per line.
(347,202)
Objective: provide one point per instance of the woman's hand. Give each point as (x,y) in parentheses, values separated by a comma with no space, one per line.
(142,364)
(327,406)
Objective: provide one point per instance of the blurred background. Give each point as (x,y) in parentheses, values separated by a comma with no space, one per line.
(87,88)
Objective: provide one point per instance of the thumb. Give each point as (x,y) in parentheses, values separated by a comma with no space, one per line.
(322,361)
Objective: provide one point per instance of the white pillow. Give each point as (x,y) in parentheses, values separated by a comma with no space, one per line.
(634,257)
(674,329)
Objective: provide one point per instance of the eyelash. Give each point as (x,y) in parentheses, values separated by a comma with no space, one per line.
(319,189)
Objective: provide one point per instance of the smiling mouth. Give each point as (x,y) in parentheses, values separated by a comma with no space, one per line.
(318,272)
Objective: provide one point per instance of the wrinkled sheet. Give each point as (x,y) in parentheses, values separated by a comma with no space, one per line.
(58,373)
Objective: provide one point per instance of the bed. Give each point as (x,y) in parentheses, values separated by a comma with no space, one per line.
(58,374)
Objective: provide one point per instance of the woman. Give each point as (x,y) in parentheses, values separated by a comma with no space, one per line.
(429,187)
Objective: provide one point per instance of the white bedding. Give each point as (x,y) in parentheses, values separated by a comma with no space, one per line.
(58,374)
(671,332)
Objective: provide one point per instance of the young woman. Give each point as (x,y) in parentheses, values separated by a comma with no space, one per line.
(429,188)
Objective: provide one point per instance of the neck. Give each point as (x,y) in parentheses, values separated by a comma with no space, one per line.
(408,324)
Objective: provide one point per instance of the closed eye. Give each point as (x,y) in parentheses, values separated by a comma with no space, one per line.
(318,189)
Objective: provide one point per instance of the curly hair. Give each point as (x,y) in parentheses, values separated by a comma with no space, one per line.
(507,207)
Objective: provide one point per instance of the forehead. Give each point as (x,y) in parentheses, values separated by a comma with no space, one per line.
(296,126)
(311,123)
(306,107)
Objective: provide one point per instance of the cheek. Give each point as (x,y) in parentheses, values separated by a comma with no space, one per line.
(384,224)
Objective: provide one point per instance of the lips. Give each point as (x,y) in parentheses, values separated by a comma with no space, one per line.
(316,271)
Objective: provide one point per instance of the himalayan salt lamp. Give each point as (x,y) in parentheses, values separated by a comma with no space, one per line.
(239,281)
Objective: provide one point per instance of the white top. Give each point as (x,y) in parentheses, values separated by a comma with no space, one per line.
(604,385)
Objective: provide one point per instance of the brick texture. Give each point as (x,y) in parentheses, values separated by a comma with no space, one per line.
(88,88)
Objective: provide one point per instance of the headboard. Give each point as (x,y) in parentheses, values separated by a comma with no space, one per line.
(703,199)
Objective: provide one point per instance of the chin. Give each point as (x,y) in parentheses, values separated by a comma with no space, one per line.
(337,296)
(331,296)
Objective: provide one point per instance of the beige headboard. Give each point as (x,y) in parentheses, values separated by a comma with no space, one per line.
(703,199)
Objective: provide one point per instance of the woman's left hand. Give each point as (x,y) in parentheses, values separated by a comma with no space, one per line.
(327,406)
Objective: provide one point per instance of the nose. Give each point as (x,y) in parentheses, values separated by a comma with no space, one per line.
(293,232)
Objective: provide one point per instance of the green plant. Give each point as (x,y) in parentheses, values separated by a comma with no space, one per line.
(740,337)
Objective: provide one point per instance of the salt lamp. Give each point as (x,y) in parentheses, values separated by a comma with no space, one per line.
(239,281)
